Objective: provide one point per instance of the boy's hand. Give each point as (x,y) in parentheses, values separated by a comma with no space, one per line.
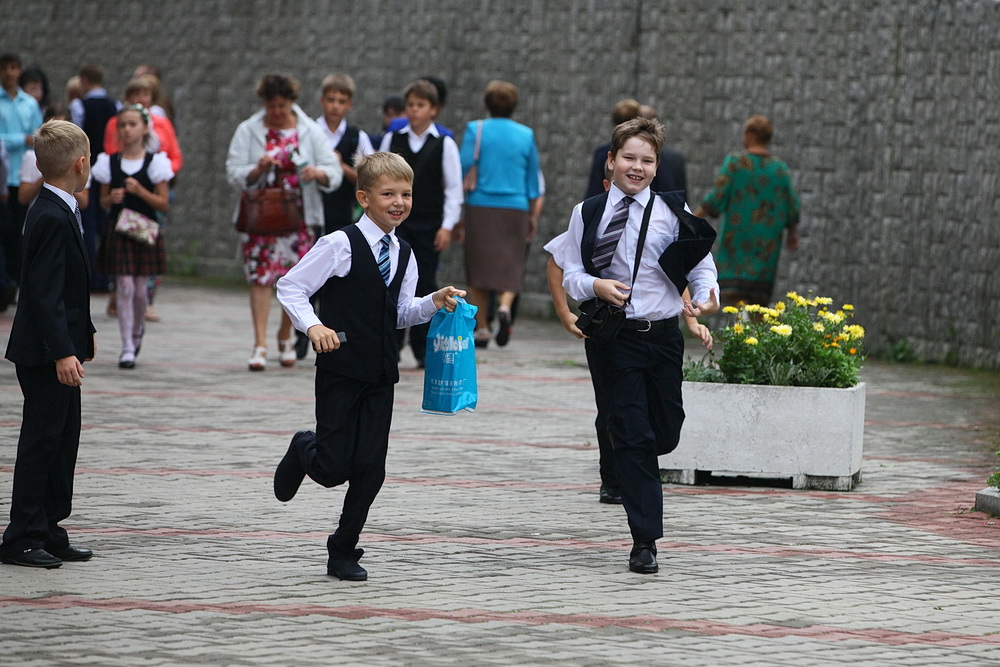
(117,195)
(701,332)
(569,324)
(699,309)
(323,338)
(611,291)
(442,239)
(69,370)
(444,298)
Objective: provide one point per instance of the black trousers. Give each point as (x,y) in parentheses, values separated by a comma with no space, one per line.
(11,227)
(46,458)
(420,235)
(352,438)
(646,416)
(601,376)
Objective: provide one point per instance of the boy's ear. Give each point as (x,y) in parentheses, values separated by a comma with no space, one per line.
(362,197)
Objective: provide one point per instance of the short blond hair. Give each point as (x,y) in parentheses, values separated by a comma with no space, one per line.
(57,144)
(370,168)
(338,83)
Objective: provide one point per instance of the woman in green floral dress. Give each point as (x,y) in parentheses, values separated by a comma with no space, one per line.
(753,194)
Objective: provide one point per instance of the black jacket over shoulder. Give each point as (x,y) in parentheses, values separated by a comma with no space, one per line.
(53,309)
(694,238)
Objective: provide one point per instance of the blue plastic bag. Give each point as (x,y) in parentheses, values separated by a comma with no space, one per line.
(450,362)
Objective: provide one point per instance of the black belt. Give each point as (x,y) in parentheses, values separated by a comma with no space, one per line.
(643,326)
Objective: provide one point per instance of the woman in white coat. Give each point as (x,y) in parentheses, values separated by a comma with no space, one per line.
(279,145)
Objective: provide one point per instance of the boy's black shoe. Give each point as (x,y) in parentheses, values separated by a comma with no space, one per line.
(289,474)
(32,558)
(345,566)
(643,558)
(610,495)
(69,553)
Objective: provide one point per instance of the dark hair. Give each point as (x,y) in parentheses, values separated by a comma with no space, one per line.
(278,85)
(8,57)
(441,86)
(500,98)
(56,110)
(35,75)
(91,72)
(647,129)
(626,109)
(423,89)
(395,103)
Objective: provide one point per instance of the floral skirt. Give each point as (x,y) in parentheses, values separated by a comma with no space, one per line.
(267,258)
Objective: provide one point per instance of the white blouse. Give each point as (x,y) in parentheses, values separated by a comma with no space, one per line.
(159,168)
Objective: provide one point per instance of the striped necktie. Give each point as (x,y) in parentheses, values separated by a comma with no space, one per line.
(79,218)
(383,260)
(604,249)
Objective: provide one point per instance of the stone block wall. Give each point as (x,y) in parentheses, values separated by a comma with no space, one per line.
(887,113)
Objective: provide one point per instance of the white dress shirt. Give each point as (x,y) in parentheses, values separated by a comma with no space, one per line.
(654,296)
(67,198)
(451,170)
(334,136)
(330,257)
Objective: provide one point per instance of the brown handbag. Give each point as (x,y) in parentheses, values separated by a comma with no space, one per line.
(270,211)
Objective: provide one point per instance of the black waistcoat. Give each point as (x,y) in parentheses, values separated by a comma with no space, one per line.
(131,201)
(361,306)
(97,111)
(428,178)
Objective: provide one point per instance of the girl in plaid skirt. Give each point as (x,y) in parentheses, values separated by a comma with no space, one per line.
(137,179)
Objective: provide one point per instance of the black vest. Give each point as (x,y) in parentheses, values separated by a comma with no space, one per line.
(339,205)
(428,178)
(361,306)
(97,111)
(131,201)
(694,239)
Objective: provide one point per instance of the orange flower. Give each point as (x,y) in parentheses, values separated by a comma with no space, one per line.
(853,351)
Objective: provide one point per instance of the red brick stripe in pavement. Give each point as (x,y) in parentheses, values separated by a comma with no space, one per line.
(648,623)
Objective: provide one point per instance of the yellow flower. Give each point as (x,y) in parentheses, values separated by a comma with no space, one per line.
(769,318)
(847,306)
(751,341)
(794,296)
(737,328)
(780,307)
(800,301)
(782,330)
(731,310)
(773,312)
(818,326)
(823,300)
(753,308)
(854,331)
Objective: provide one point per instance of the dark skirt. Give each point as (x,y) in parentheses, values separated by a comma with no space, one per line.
(495,240)
(121,256)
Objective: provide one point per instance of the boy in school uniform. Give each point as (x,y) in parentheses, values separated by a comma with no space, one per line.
(366,277)
(52,335)
(641,367)
(346,141)
(437,191)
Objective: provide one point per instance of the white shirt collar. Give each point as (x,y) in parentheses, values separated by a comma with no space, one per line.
(69,199)
(431,131)
(340,129)
(615,195)
(373,234)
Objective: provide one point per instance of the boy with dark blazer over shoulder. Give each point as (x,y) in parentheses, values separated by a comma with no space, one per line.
(640,369)
(366,278)
(52,335)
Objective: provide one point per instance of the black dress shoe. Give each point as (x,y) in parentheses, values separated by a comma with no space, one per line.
(32,558)
(69,553)
(643,558)
(611,495)
(503,328)
(345,566)
(301,345)
(289,474)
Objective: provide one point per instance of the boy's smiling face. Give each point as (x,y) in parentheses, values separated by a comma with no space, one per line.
(388,203)
(634,166)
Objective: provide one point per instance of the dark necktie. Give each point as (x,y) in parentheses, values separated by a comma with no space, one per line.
(383,260)
(604,249)
(79,218)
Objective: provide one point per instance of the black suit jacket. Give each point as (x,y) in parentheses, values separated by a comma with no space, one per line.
(53,307)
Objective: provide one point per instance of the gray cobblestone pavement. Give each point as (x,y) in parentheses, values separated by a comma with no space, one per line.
(487,544)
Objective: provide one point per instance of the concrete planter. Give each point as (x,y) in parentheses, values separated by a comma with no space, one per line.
(988,500)
(812,435)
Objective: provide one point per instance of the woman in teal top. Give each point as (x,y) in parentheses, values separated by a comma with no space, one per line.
(753,194)
(500,211)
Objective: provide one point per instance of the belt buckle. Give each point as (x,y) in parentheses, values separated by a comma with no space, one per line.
(649,325)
